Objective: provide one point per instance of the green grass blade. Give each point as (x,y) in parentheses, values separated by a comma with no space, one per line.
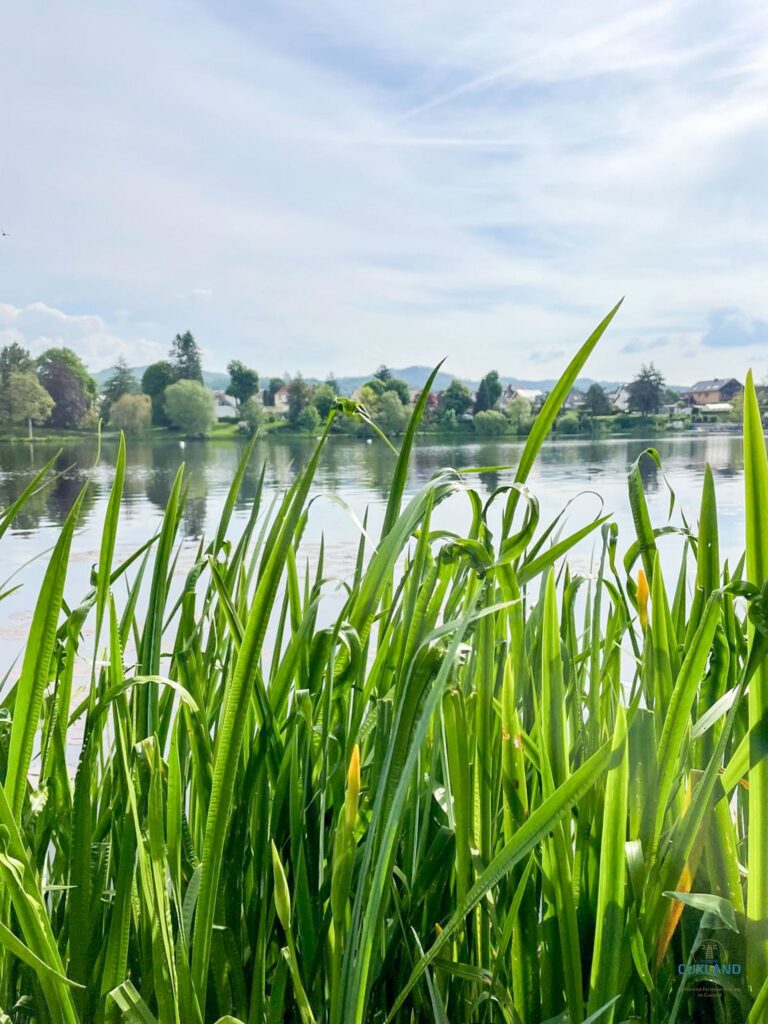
(611,896)
(552,406)
(756,506)
(36,665)
(527,837)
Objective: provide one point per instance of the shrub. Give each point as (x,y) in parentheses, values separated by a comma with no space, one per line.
(491,423)
(323,398)
(252,415)
(518,412)
(568,423)
(131,413)
(390,413)
(308,419)
(190,407)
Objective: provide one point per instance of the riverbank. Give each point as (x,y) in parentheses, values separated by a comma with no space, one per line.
(588,429)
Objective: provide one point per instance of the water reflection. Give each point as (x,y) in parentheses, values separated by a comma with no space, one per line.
(349,467)
(649,473)
(50,505)
(359,473)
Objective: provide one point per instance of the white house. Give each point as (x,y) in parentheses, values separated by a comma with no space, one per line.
(226,406)
(533,396)
(279,403)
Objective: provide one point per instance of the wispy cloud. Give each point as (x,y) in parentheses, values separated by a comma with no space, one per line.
(548,357)
(733,328)
(641,345)
(311,186)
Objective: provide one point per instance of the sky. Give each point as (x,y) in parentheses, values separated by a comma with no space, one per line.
(326,186)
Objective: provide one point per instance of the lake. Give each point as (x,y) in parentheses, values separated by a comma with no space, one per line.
(356,472)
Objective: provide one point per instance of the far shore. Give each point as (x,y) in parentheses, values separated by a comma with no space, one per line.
(228,432)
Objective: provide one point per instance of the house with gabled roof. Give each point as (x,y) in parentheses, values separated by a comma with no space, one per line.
(717,391)
(533,396)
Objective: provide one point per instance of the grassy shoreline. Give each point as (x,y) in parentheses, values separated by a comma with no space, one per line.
(229,432)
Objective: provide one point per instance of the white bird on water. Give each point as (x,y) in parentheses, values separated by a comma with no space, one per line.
(182,444)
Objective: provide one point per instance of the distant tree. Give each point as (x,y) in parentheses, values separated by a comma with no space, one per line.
(299,394)
(14,357)
(251,415)
(669,396)
(190,407)
(76,365)
(645,391)
(23,399)
(596,401)
(309,419)
(367,397)
(568,424)
(121,382)
(737,407)
(375,385)
(456,398)
(383,373)
(185,358)
(64,376)
(243,382)
(490,423)
(518,413)
(154,381)
(332,383)
(489,392)
(323,398)
(390,413)
(275,383)
(400,388)
(131,413)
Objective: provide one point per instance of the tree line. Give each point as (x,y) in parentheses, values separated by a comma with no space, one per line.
(56,389)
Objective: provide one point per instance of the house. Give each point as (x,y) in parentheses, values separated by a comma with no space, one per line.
(226,406)
(533,396)
(278,403)
(620,398)
(714,392)
(574,399)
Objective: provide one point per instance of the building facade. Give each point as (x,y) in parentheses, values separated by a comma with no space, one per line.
(714,392)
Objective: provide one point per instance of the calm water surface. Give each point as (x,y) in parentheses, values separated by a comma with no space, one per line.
(356,472)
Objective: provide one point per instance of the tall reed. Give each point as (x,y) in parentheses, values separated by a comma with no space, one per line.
(491,790)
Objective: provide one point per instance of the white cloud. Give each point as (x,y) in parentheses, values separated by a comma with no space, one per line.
(38,326)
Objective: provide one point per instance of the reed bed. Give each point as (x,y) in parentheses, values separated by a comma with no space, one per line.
(491,790)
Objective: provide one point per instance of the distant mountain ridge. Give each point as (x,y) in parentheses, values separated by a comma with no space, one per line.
(414,377)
